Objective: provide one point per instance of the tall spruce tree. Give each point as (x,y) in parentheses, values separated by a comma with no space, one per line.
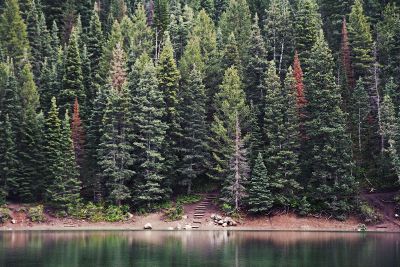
(72,83)
(361,42)
(331,183)
(229,101)
(8,158)
(281,130)
(194,130)
(260,197)
(234,186)
(14,39)
(115,146)
(148,111)
(168,83)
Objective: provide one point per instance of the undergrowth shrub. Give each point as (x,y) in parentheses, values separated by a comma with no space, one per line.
(368,214)
(174,213)
(188,199)
(36,214)
(5,214)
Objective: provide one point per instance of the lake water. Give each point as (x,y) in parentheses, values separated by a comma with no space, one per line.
(198,248)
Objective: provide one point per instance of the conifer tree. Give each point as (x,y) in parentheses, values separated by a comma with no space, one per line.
(168,82)
(390,130)
(220,7)
(116,141)
(114,38)
(281,130)
(204,30)
(191,57)
(230,54)
(229,101)
(255,65)
(279,33)
(64,188)
(260,198)
(8,158)
(361,42)
(234,187)
(237,19)
(78,135)
(29,136)
(72,83)
(14,39)
(194,130)
(149,129)
(346,61)
(180,27)
(307,26)
(331,182)
(142,35)
(94,45)
(298,76)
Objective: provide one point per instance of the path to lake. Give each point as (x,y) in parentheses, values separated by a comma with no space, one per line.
(198,248)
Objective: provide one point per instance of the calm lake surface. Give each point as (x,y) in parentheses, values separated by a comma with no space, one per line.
(198,248)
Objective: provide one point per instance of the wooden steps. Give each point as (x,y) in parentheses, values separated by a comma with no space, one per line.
(201,210)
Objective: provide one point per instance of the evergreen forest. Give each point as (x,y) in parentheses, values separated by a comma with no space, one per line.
(273,104)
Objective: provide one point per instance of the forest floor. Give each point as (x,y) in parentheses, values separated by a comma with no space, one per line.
(382,203)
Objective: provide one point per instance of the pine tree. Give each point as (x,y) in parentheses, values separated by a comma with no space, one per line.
(361,42)
(161,22)
(64,188)
(168,82)
(116,142)
(237,20)
(388,42)
(78,136)
(142,35)
(279,33)
(8,158)
(234,187)
(114,38)
(194,130)
(28,138)
(359,111)
(72,84)
(204,30)
(331,183)
(307,26)
(14,39)
(333,13)
(346,62)
(191,57)
(281,130)
(260,198)
(220,7)
(94,45)
(390,130)
(230,54)
(229,101)
(148,111)
(208,7)
(255,65)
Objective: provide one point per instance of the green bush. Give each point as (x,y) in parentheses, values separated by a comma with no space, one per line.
(227,208)
(174,213)
(89,211)
(4,214)
(116,213)
(304,207)
(368,214)
(36,214)
(188,199)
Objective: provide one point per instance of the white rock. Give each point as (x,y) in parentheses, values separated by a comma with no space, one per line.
(148,226)
(130,215)
(218,217)
(220,222)
(13,221)
(187,227)
(213,216)
(396,215)
(185,217)
(224,225)
(178,227)
(170,228)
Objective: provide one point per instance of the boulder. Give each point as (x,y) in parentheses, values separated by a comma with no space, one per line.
(224,224)
(184,217)
(130,215)
(148,226)
(170,228)
(13,221)
(220,222)
(233,223)
(213,216)
(178,227)
(218,217)
(187,227)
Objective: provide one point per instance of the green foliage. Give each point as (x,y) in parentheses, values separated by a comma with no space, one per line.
(5,214)
(368,214)
(174,213)
(36,214)
(116,213)
(188,199)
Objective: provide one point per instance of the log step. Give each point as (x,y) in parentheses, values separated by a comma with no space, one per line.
(197,222)
(195,226)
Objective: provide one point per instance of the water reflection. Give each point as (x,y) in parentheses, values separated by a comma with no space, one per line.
(198,248)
